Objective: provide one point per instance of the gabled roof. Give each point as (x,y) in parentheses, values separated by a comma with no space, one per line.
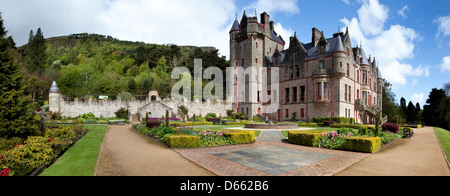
(333,44)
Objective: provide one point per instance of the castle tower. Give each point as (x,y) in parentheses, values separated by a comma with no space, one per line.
(251,42)
(54,98)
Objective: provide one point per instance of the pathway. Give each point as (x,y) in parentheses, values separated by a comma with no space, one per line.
(126,152)
(419,156)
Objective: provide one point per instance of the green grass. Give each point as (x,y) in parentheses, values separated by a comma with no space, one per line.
(81,158)
(444,139)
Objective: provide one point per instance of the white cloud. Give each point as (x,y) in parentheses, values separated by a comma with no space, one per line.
(346,2)
(171,21)
(417,98)
(445,66)
(285,33)
(273,6)
(402,12)
(389,46)
(443,29)
(372,16)
(194,22)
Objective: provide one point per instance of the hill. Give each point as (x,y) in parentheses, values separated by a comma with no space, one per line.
(90,65)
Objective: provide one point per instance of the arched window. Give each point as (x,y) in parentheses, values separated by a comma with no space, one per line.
(256,44)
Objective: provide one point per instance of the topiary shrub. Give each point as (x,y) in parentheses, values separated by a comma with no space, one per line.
(305,138)
(183,141)
(240,137)
(363,144)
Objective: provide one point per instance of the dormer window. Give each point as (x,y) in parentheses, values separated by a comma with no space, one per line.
(322,48)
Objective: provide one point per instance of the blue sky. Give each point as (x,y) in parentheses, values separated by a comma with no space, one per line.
(410,39)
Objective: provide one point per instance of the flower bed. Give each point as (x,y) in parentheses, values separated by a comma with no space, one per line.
(38,150)
(343,139)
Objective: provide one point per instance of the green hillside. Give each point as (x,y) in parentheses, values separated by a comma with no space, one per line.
(91,64)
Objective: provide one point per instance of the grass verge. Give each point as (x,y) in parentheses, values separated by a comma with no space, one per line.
(81,158)
(444,139)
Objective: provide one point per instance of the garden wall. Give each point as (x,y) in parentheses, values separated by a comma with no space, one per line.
(107,108)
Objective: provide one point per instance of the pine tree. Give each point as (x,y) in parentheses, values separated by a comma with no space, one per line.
(15,117)
(36,52)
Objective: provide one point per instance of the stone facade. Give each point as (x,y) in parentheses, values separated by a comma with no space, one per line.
(157,108)
(325,78)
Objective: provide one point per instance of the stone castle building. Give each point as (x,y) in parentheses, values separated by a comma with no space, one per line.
(324,78)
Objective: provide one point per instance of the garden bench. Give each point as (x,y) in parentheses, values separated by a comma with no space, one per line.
(407,132)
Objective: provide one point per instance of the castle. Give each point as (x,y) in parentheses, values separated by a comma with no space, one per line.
(325,78)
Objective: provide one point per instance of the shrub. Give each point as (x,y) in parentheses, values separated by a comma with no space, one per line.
(161,132)
(183,141)
(391,127)
(240,136)
(214,120)
(327,123)
(305,138)
(211,115)
(88,116)
(307,124)
(320,120)
(179,124)
(343,120)
(153,124)
(122,113)
(363,144)
(23,159)
(354,126)
(9,143)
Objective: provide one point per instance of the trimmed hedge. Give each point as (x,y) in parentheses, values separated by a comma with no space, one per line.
(305,138)
(363,144)
(183,141)
(240,136)
(179,124)
(307,124)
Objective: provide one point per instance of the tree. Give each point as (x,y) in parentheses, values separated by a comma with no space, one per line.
(36,54)
(15,116)
(436,111)
(411,113)
(390,107)
(132,87)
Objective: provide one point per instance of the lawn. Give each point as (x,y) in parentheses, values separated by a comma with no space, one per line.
(81,158)
(444,139)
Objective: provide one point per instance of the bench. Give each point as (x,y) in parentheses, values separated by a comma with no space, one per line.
(407,132)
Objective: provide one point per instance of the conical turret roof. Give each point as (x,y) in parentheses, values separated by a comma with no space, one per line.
(54,88)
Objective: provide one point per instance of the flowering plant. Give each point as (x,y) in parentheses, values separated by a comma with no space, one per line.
(4,172)
(213,138)
(333,140)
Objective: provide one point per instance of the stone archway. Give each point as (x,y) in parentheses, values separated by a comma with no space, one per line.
(152,94)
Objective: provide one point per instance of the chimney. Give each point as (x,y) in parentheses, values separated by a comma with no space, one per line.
(316,34)
(272,25)
(265,18)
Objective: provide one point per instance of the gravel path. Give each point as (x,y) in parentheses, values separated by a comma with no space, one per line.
(126,152)
(419,156)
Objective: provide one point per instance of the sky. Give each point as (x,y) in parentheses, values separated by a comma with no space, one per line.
(409,39)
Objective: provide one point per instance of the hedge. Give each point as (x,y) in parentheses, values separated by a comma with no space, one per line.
(183,141)
(243,123)
(305,138)
(363,144)
(179,124)
(240,136)
(307,124)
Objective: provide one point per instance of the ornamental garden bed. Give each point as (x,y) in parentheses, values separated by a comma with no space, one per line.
(349,139)
(20,157)
(184,137)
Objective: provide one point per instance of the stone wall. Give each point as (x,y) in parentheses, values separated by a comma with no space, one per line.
(107,108)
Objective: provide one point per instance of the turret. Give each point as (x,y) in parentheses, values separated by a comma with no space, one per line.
(54,98)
